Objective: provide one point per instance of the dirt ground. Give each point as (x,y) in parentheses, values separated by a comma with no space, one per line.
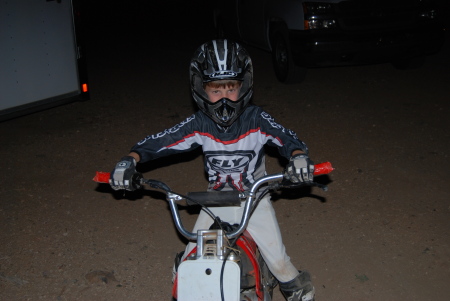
(381,232)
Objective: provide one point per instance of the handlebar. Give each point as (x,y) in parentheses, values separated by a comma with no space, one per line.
(228,198)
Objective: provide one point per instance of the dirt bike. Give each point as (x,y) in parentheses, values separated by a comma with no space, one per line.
(226,263)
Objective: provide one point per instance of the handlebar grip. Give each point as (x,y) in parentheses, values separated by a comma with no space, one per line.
(101,177)
(322,168)
(214,198)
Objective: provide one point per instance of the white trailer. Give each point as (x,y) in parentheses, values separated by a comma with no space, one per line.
(41,64)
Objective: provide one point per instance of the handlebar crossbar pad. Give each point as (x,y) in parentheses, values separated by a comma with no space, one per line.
(214,198)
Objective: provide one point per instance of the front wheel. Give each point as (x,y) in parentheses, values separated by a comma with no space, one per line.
(268,280)
(285,69)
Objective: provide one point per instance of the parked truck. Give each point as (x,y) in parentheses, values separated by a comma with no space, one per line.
(321,33)
(41,58)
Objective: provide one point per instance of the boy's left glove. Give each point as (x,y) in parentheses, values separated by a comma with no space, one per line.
(299,169)
(124,175)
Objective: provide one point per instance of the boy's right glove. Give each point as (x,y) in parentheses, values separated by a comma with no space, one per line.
(299,169)
(123,174)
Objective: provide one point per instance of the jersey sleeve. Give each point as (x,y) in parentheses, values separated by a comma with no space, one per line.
(177,139)
(276,135)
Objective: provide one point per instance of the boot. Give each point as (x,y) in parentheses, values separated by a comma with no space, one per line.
(299,288)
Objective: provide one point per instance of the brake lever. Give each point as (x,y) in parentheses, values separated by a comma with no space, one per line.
(156,184)
(288,184)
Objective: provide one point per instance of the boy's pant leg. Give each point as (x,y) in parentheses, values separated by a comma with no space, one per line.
(264,228)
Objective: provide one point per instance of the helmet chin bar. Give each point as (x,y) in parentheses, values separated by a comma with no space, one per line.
(226,112)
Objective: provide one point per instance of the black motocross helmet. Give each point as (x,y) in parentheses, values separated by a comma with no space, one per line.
(221,60)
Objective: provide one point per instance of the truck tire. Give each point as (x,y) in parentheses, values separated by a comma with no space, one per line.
(285,69)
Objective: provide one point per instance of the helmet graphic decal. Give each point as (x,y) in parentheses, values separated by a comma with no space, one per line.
(221,62)
(223,74)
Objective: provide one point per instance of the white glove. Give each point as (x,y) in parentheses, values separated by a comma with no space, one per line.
(123,175)
(299,169)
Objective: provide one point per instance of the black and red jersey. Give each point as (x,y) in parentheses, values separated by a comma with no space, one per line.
(234,156)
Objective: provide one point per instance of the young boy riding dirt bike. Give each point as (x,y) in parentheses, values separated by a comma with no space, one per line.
(232,133)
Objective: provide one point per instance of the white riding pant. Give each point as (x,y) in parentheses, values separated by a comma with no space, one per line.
(263,227)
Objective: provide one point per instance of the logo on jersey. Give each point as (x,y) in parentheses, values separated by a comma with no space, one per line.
(172,130)
(229,162)
(276,125)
